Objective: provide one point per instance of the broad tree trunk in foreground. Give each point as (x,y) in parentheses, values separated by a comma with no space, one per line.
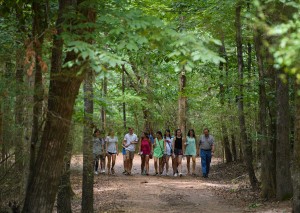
(283,173)
(64,86)
(268,181)
(296,156)
(182,103)
(64,194)
(247,146)
(88,172)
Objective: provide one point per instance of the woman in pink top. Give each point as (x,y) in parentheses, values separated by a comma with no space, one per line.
(145,151)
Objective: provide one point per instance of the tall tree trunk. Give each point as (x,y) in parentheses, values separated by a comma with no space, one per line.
(123,93)
(284,188)
(233,147)
(63,90)
(296,156)
(19,103)
(268,181)
(38,40)
(88,172)
(65,189)
(247,146)
(228,155)
(182,103)
(103,108)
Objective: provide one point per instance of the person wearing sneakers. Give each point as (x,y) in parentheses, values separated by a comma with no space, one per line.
(158,152)
(145,151)
(178,150)
(111,151)
(168,147)
(97,149)
(129,143)
(206,150)
(190,151)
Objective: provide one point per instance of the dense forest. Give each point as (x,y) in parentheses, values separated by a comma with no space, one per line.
(70,66)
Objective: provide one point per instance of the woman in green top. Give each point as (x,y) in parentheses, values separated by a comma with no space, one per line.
(158,152)
(190,150)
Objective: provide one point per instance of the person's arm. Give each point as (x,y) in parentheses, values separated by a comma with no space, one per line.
(140,145)
(165,146)
(117,147)
(183,146)
(173,146)
(106,143)
(213,145)
(197,147)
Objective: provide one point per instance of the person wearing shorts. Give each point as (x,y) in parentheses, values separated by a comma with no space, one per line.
(168,147)
(190,151)
(129,142)
(97,149)
(178,150)
(145,151)
(111,151)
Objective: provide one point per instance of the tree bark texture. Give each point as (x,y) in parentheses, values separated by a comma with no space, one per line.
(283,150)
(268,179)
(64,194)
(182,103)
(247,146)
(296,156)
(64,86)
(38,39)
(88,164)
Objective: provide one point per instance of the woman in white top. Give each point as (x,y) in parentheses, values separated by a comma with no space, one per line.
(168,149)
(111,151)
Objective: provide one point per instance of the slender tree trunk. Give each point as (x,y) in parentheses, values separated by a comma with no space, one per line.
(182,103)
(284,188)
(103,110)
(38,40)
(88,172)
(268,181)
(247,146)
(63,90)
(228,155)
(296,156)
(19,103)
(233,147)
(65,189)
(123,93)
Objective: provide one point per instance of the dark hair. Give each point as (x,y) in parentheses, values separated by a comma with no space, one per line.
(206,129)
(159,132)
(177,131)
(146,135)
(95,131)
(188,134)
(167,130)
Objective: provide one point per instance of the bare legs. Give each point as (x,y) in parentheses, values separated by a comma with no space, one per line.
(111,160)
(160,166)
(193,166)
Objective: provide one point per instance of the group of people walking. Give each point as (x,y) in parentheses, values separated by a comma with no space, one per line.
(161,147)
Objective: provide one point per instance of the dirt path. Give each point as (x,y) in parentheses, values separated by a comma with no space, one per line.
(137,193)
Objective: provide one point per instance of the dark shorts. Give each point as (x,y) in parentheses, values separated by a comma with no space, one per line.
(178,151)
(111,153)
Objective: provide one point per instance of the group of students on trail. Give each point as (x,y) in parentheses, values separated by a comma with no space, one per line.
(161,148)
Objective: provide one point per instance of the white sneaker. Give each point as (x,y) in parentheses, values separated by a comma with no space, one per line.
(96,173)
(103,171)
(167,174)
(175,175)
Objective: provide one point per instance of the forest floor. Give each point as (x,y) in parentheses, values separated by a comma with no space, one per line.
(226,190)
